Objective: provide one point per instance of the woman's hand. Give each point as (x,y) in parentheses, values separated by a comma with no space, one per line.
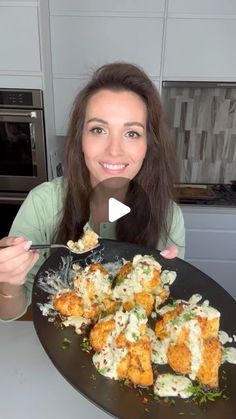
(170,252)
(16,261)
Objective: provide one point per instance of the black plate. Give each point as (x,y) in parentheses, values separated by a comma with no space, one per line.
(113,396)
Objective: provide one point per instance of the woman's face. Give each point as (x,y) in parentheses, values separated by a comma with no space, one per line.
(114,137)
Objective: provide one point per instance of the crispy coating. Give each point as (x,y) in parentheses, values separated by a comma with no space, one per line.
(151,284)
(92,312)
(140,365)
(136,364)
(162,294)
(211,359)
(145,300)
(123,272)
(69,304)
(109,306)
(99,333)
(179,358)
(160,326)
(123,366)
(97,267)
(209,328)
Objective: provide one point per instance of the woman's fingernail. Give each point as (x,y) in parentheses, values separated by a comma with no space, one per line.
(165,252)
(27,245)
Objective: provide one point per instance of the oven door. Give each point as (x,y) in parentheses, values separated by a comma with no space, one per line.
(22,149)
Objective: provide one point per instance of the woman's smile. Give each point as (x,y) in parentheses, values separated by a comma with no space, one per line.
(113,168)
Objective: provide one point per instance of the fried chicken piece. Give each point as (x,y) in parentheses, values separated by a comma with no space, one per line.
(152,283)
(179,358)
(145,300)
(123,272)
(161,295)
(140,365)
(136,365)
(97,267)
(211,360)
(109,306)
(68,304)
(160,326)
(209,327)
(99,333)
(178,354)
(128,305)
(92,312)
(122,367)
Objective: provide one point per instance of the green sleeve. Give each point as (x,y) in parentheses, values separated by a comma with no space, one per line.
(177,232)
(37,220)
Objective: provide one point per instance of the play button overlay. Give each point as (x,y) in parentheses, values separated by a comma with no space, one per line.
(120,209)
(116,209)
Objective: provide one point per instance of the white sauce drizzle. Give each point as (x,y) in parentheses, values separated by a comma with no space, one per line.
(169,385)
(229,355)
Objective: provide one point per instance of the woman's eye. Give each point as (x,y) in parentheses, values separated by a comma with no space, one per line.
(132,134)
(96,130)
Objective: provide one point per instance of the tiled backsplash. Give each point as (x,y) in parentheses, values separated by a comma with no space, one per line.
(202,118)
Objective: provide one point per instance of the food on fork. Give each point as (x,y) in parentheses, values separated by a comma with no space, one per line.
(88,241)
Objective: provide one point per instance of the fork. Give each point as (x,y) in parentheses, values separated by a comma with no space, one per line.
(55,246)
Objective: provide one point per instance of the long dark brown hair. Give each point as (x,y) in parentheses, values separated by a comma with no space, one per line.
(156,177)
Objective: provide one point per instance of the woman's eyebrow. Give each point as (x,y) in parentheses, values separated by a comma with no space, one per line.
(102,121)
(128,124)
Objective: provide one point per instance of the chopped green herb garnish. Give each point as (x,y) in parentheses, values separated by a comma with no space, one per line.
(135,336)
(85,347)
(200,395)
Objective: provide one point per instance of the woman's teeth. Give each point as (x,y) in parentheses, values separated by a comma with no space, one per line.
(113,166)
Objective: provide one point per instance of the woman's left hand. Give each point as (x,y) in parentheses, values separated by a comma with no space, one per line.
(170,252)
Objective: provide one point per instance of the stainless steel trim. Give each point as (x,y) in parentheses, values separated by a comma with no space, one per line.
(197,84)
(12,199)
(18,114)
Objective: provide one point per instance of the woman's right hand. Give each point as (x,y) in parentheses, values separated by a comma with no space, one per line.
(16,261)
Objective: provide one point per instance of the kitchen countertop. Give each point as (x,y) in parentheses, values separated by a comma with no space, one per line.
(30,385)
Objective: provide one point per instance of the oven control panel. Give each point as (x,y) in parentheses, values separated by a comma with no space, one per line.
(15,98)
(19,98)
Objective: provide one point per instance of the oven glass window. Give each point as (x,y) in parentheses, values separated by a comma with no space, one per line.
(15,149)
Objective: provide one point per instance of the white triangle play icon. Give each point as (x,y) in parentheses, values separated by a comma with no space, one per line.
(116,209)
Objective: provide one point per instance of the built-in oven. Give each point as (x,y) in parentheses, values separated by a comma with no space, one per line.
(22,149)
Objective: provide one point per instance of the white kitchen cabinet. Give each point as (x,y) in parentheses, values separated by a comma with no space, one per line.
(200,49)
(20,64)
(110,6)
(202,7)
(211,243)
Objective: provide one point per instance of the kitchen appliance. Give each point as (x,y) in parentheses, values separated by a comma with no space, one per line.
(213,195)
(22,149)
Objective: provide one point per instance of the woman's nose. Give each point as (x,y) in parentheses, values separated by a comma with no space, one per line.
(114,146)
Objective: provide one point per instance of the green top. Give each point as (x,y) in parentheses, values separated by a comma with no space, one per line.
(40,214)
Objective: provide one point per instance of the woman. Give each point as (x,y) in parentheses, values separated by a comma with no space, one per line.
(117,129)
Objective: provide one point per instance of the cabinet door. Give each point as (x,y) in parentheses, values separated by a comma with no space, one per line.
(211,243)
(19,46)
(200,49)
(80,44)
